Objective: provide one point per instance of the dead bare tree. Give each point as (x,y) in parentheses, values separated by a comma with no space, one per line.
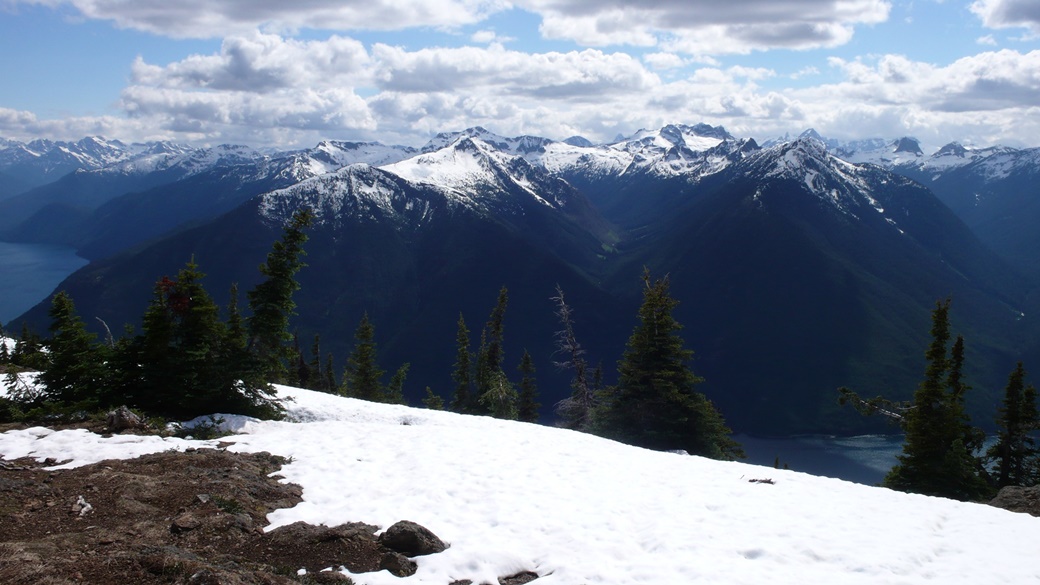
(575,410)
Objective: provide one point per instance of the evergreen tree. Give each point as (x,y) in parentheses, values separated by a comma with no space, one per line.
(527,407)
(5,351)
(575,410)
(75,373)
(491,355)
(362,376)
(300,373)
(394,393)
(153,387)
(317,381)
(271,304)
(28,353)
(237,364)
(938,451)
(461,402)
(184,348)
(655,403)
(329,384)
(432,401)
(1015,451)
(500,398)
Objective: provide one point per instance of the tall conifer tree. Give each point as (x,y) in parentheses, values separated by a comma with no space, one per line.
(1015,451)
(461,375)
(655,403)
(272,305)
(75,372)
(491,355)
(938,456)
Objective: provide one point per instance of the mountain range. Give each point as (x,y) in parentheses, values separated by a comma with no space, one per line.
(800,265)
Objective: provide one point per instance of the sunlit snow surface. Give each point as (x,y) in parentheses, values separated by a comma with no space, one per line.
(581,510)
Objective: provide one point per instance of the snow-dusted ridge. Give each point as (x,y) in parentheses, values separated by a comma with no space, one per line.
(577,509)
(358,190)
(849,188)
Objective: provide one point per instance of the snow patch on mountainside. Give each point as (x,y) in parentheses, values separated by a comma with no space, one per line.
(327,195)
(844,185)
(470,168)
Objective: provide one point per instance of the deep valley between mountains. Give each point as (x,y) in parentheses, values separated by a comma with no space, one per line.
(800,265)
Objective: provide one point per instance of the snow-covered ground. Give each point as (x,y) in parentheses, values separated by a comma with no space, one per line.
(577,509)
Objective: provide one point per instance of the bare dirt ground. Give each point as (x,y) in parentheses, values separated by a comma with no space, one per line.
(193,517)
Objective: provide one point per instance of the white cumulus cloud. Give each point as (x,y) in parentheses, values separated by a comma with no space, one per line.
(1009,13)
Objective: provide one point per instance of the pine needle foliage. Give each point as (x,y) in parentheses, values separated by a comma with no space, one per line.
(271,302)
(655,403)
(1015,452)
(940,448)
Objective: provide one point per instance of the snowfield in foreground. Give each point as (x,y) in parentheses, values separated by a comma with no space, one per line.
(577,509)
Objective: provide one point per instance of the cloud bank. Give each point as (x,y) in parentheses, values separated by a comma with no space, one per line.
(265,86)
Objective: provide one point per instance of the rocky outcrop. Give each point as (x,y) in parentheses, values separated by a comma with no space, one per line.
(123,419)
(1018,499)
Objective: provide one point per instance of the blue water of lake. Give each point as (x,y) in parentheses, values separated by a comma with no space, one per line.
(30,272)
(862,459)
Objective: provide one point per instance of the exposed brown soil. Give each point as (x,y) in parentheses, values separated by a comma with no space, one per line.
(193,517)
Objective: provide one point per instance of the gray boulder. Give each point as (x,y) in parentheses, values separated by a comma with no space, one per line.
(1018,499)
(122,419)
(411,540)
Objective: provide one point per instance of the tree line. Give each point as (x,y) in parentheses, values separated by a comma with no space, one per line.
(189,361)
(186,361)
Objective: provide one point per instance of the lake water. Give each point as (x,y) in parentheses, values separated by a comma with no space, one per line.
(30,272)
(862,459)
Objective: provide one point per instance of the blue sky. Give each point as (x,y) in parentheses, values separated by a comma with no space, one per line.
(271,73)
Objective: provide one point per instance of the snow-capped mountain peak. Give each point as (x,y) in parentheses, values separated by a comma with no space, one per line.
(849,188)
(470,166)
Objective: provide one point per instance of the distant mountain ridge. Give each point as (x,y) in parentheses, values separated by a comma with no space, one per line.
(797,269)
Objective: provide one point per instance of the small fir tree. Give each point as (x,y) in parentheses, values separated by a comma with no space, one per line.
(432,401)
(939,450)
(394,393)
(330,375)
(463,397)
(362,376)
(938,457)
(500,398)
(528,405)
(317,381)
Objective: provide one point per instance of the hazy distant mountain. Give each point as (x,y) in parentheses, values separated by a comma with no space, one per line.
(163,188)
(993,189)
(41,161)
